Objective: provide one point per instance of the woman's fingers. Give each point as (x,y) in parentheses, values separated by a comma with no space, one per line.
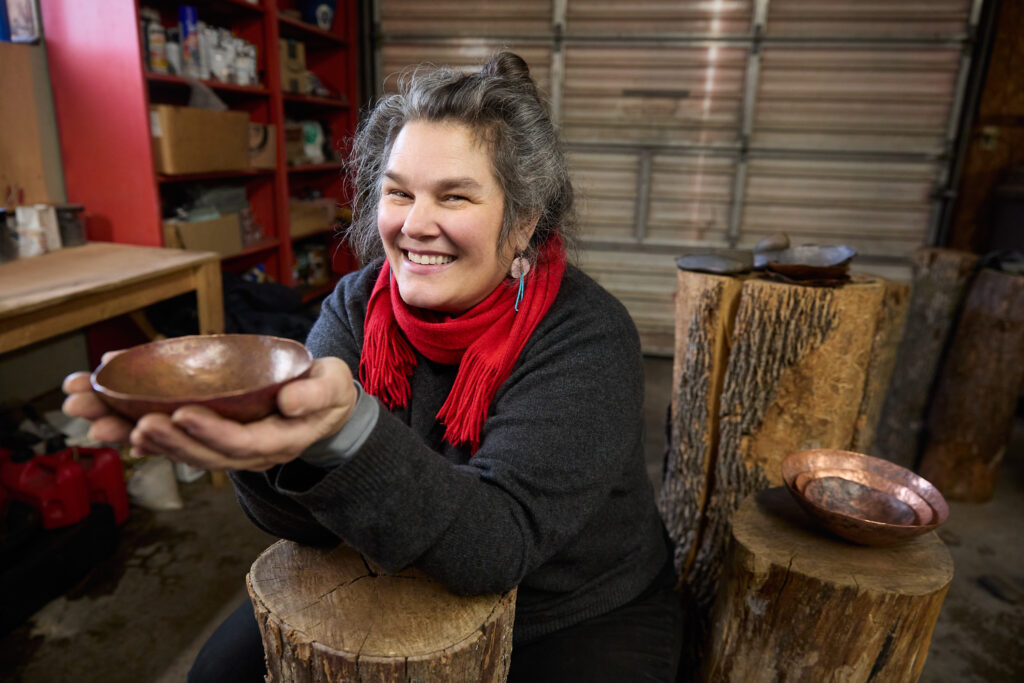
(110,429)
(84,403)
(86,406)
(76,383)
(276,439)
(157,435)
(328,385)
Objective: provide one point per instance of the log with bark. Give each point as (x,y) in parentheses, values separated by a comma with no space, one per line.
(800,605)
(762,369)
(971,414)
(327,615)
(940,279)
(892,317)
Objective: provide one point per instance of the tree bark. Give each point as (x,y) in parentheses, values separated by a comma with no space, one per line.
(940,279)
(324,615)
(800,605)
(705,307)
(971,415)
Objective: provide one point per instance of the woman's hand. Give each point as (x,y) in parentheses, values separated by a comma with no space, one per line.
(83,402)
(310,409)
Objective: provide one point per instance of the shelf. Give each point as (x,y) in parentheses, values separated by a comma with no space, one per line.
(266,245)
(316,168)
(215,9)
(317,101)
(215,175)
(300,30)
(258,9)
(171,79)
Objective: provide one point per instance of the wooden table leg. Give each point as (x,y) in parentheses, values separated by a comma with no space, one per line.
(210,298)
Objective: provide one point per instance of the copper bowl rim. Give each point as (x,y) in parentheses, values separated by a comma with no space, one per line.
(920,486)
(97,386)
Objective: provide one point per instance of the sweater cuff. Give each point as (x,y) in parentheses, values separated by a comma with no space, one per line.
(339,447)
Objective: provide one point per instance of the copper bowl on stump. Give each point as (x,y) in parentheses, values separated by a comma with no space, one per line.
(235,375)
(863,499)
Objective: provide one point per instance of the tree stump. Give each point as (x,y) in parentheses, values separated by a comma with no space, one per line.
(971,415)
(892,317)
(763,369)
(940,279)
(325,615)
(800,605)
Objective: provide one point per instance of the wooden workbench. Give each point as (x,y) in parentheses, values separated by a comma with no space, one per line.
(65,290)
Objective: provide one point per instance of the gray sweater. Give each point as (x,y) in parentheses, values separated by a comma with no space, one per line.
(556,500)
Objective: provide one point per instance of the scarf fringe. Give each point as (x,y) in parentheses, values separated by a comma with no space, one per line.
(465,410)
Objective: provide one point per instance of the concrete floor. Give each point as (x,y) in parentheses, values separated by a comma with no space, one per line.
(143,614)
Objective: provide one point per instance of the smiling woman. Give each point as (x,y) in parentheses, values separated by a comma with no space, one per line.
(495,438)
(440,216)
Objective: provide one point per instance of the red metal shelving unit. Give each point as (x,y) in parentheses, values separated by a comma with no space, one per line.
(103,90)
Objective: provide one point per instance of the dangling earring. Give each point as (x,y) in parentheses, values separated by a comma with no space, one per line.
(520,267)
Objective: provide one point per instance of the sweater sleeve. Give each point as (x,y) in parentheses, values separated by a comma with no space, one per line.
(561,432)
(333,335)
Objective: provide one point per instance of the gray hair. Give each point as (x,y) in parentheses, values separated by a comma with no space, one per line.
(502,106)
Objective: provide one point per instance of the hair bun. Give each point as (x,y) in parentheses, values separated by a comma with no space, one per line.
(508,65)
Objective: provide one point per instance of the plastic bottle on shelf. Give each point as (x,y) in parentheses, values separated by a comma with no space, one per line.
(188,25)
(156,40)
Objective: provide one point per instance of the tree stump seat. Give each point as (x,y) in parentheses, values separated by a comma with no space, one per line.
(326,615)
(797,604)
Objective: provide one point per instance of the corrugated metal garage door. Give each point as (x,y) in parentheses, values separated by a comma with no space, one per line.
(717,122)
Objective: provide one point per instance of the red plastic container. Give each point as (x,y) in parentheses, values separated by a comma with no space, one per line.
(104,477)
(56,487)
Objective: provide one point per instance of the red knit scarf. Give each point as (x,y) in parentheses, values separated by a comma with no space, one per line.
(485,342)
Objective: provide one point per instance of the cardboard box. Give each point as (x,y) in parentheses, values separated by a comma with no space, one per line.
(293,66)
(262,145)
(222,235)
(310,216)
(190,140)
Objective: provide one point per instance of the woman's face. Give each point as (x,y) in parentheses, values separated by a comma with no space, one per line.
(439,217)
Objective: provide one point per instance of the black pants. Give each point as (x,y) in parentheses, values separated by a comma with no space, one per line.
(640,641)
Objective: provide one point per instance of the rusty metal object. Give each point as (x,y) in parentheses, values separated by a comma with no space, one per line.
(863,499)
(235,375)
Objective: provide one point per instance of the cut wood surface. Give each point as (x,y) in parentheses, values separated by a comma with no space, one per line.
(971,414)
(800,605)
(324,615)
(939,281)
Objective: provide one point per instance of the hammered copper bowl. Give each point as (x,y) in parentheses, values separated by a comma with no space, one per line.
(235,375)
(863,499)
